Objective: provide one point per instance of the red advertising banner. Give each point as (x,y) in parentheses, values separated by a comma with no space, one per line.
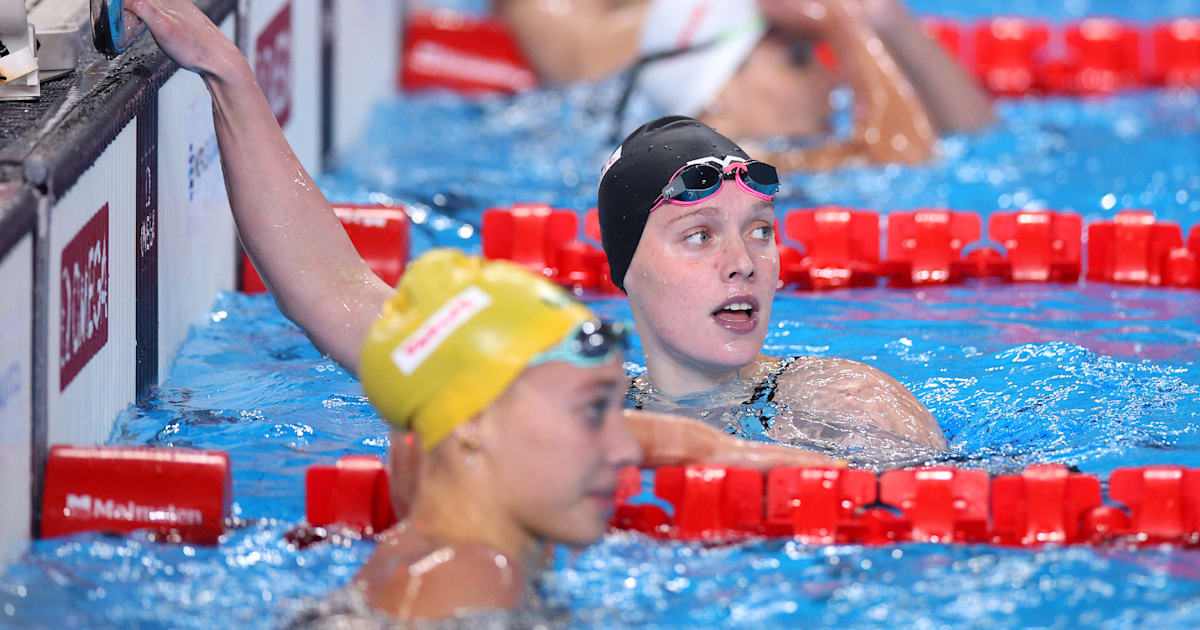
(83,309)
(273,63)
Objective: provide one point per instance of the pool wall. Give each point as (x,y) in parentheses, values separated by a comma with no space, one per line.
(115,234)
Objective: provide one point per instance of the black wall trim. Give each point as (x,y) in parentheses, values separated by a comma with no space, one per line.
(146,255)
(328,27)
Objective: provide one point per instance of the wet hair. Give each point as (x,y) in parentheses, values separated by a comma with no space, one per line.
(636,173)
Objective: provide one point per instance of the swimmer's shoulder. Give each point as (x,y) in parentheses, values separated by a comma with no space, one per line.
(440,581)
(805,371)
(845,385)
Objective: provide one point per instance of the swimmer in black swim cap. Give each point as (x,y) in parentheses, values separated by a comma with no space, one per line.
(632,182)
(687,221)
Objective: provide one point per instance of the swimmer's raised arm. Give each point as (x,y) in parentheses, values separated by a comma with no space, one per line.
(890,123)
(954,100)
(285,222)
(575,40)
(674,441)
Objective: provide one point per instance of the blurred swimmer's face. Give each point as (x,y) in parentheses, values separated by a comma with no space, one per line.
(702,280)
(555,443)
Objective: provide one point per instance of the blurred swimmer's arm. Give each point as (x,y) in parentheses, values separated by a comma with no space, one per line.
(954,100)
(890,123)
(575,40)
(440,583)
(851,387)
(285,223)
(676,441)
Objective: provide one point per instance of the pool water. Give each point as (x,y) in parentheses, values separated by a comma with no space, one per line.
(1092,375)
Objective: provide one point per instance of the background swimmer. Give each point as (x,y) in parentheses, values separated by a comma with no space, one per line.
(700,267)
(748,68)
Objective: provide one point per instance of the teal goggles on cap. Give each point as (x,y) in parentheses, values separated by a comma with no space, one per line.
(591,344)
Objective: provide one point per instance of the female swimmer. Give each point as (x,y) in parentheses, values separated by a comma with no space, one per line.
(748,68)
(687,223)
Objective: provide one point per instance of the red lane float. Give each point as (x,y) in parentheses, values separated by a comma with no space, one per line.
(354,493)
(545,240)
(591,229)
(1177,53)
(180,493)
(925,246)
(818,505)
(943,504)
(1005,50)
(841,248)
(1131,249)
(711,501)
(529,234)
(1042,246)
(379,233)
(450,50)
(642,517)
(1164,502)
(1103,56)
(1183,265)
(1044,504)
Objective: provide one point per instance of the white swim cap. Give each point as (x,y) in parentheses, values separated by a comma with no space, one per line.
(712,37)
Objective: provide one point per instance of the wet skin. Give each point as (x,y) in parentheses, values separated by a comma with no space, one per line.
(695,269)
(693,263)
(539,464)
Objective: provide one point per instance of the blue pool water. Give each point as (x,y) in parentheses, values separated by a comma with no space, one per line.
(1093,375)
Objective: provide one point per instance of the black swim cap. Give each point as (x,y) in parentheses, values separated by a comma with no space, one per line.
(636,173)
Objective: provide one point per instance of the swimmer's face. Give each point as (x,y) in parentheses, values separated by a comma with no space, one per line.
(695,271)
(555,442)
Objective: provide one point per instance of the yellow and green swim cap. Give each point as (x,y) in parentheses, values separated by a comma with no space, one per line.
(456,334)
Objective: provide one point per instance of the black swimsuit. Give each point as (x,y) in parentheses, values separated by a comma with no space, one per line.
(757,414)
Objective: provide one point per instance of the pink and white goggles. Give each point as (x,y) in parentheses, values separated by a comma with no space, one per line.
(702,178)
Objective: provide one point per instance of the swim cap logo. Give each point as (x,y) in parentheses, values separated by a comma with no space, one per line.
(612,160)
(419,346)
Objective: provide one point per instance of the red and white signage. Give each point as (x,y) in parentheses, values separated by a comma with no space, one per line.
(448,50)
(273,63)
(83,307)
(121,489)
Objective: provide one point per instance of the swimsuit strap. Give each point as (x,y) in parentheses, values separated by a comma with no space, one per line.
(635,71)
(764,394)
(765,391)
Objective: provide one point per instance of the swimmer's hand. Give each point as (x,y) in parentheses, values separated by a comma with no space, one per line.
(185,34)
(677,441)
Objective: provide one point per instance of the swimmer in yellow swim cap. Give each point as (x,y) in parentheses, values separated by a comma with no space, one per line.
(514,391)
